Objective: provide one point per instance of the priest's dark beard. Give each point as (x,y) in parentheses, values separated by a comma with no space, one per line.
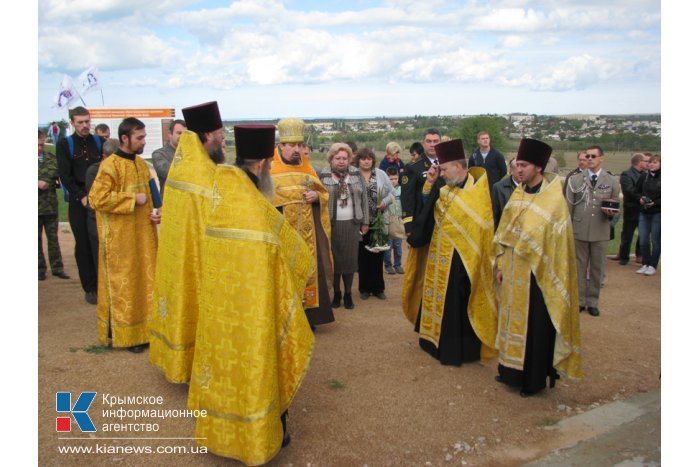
(217,155)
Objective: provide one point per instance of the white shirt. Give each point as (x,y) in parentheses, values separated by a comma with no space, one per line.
(346,213)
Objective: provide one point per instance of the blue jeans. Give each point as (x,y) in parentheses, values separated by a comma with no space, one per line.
(395,245)
(650,230)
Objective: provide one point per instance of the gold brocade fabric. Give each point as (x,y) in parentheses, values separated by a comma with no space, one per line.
(127,253)
(535,235)
(463,223)
(254,343)
(412,290)
(291,181)
(186,206)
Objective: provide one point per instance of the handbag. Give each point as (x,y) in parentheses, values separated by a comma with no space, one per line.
(396,228)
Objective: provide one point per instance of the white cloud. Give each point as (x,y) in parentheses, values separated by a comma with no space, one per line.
(574,73)
(189,46)
(512,41)
(511,19)
(122,48)
(550,41)
(64,11)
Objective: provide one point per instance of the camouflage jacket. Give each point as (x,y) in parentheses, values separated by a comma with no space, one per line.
(48,172)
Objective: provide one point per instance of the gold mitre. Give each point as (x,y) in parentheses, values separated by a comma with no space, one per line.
(291,130)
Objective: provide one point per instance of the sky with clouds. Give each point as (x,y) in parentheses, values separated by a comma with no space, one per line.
(273,58)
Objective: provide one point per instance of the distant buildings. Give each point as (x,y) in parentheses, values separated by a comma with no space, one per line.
(549,127)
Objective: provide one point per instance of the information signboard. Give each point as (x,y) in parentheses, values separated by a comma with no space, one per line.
(156,120)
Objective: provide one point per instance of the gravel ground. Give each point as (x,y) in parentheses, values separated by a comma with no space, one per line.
(371,397)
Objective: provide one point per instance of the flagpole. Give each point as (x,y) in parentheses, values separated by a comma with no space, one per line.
(103,97)
(77,92)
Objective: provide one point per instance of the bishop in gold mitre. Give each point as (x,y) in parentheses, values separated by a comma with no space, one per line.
(302,198)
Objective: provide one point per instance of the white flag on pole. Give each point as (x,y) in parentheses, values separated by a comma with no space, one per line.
(89,80)
(65,94)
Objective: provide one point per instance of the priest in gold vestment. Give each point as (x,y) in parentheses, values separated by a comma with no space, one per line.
(254,343)
(126,226)
(186,205)
(303,200)
(535,267)
(458,319)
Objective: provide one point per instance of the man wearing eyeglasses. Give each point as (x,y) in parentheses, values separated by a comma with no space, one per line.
(585,193)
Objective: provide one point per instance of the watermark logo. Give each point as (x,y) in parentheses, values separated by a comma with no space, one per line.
(78,411)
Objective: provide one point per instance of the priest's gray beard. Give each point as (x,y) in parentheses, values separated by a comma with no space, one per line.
(265,183)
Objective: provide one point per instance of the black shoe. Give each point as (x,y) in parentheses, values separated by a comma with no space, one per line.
(500,379)
(137,348)
(347,301)
(336,300)
(286,439)
(364,295)
(581,308)
(526,393)
(62,275)
(91,298)
(624,262)
(593,311)
(42,276)
(553,379)
(380,296)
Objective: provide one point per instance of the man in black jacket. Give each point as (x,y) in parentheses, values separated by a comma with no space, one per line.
(71,170)
(630,212)
(501,191)
(489,158)
(412,182)
(414,177)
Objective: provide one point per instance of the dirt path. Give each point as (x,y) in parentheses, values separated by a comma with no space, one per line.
(371,397)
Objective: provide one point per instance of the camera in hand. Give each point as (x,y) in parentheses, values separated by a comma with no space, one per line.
(647,202)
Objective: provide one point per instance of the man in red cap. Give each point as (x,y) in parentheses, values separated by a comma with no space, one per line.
(186,206)
(254,342)
(458,320)
(535,267)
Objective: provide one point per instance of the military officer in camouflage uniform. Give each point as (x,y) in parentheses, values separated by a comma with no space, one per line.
(48,213)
